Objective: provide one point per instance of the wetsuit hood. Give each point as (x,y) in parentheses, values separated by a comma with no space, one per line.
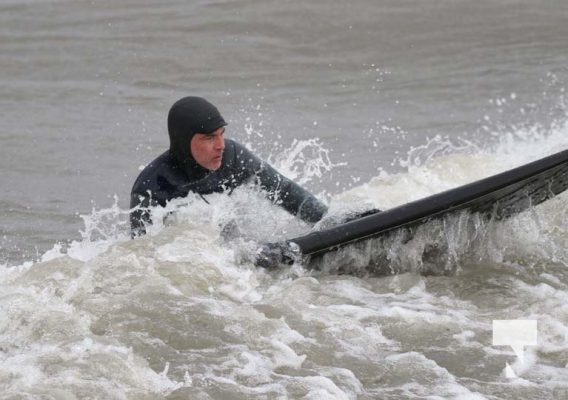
(188,116)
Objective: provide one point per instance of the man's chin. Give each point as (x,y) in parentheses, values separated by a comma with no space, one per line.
(214,166)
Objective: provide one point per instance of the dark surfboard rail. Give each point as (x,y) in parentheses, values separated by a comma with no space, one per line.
(498,196)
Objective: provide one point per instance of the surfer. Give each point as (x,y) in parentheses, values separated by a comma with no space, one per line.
(200,160)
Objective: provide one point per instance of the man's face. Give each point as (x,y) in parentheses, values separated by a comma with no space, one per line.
(207,149)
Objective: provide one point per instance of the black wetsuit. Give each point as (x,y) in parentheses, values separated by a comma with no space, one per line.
(165,179)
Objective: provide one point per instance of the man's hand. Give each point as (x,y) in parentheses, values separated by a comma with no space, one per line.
(274,255)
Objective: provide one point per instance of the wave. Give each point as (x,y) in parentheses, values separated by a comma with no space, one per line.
(181,312)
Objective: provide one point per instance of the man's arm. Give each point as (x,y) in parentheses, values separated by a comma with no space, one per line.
(154,186)
(279,189)
(291,196)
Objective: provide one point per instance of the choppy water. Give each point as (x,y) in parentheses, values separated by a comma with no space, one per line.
(367,104)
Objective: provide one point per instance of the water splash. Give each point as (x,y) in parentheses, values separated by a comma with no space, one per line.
(174,314)
(440,247)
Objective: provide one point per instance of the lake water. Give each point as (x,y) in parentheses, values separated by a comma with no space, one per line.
(365,103)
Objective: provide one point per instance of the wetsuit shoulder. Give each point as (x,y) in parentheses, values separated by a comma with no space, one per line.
(159,182)
(239,165)
(237,157)
(281,190)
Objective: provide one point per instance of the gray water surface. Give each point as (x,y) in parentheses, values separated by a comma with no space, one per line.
(86,86)
(405,99)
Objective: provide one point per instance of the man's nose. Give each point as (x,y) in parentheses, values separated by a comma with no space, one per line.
(220,143)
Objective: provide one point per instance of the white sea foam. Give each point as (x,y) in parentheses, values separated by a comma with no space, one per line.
(179,312)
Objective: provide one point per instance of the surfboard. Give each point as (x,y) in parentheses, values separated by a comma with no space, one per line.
(499,196)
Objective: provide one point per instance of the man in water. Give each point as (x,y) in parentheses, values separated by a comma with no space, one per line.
(200,160)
